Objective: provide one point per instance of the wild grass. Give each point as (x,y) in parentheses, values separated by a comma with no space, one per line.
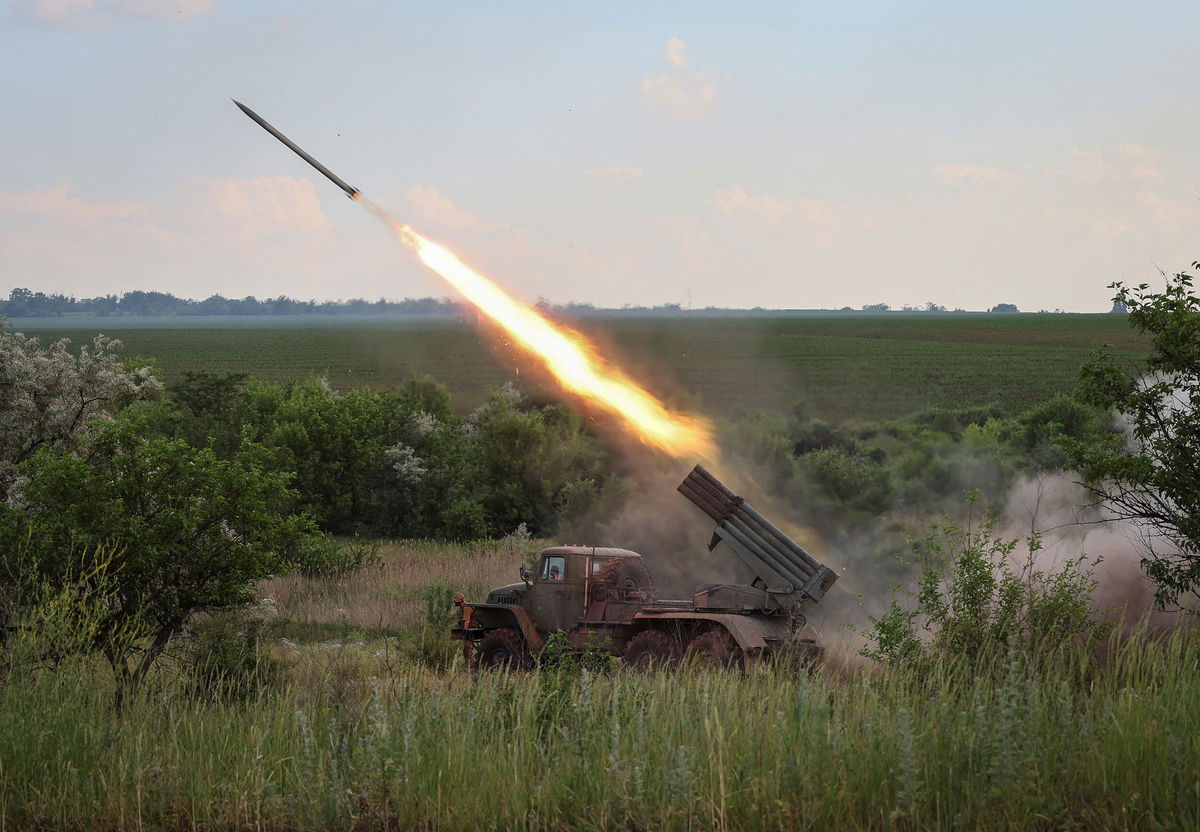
(353,743)
(372,722)
(393,595)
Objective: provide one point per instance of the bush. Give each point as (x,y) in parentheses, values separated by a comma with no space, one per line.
(850,478)
(558,655)
(973,605)
(431,644)
(225,659)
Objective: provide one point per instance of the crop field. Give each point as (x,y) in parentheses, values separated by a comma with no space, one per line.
(838,367)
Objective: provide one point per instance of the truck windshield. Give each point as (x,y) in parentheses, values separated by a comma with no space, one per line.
(554,569)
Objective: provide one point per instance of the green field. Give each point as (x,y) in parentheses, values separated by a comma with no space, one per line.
(839,367)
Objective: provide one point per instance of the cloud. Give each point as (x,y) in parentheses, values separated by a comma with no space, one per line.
(675,56)
(94,14)
(735,200)
(432,207)
(57,203)
(1048,234)
(618,173)
(961,176)
(1171,212)
(201,236)
(264,206)
(1126,163)
(680,95)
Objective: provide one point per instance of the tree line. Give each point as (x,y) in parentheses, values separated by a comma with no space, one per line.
(24,303)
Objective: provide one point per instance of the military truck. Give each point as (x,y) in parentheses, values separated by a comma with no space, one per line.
(602,595)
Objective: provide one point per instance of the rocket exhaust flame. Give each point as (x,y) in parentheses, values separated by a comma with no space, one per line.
(574,364)
(565,354)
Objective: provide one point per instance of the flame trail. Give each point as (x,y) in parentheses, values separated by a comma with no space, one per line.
(571,360)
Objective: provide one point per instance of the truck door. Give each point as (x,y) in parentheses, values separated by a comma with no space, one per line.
(556,595)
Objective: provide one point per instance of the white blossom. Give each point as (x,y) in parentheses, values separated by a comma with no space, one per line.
(424,423)
(49,396)
(409,468)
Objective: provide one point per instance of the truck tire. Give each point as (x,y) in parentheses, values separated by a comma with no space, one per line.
(618,578)
(807,654)
(714,648)
(503,650)
(651,649)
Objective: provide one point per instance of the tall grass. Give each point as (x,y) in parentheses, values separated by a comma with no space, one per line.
(355,742)
(393,595)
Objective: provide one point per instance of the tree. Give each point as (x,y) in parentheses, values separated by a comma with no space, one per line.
(50,396)
(1005,309)
(1152,475)
(183,532)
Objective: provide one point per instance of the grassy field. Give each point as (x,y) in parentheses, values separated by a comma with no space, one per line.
(839,367)
(363,733)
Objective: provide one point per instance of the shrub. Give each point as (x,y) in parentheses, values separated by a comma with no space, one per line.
(431,644)
(224,658)
(850,478)
(973,605)
(558,655)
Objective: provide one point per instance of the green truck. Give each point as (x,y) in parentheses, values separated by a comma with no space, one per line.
(601,595)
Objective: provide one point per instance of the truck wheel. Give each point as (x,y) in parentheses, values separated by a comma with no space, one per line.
(618,578)
(714,648)
(808,654)
(503,650)
(650,649)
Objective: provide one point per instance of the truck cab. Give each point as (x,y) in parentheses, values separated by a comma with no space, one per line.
(571,587)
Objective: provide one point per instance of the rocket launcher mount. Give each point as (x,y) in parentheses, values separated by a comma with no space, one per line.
(780,562)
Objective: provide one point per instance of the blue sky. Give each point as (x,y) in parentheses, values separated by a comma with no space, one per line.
(771,154)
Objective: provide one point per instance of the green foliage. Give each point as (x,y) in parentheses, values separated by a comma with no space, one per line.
(1040,430)
(225,658)
(49,620)
(398,464)
(320,556)
(203,412)
(1152,476)
(181,531)
(558,655)
(852,479)
(430,645)
(976,600)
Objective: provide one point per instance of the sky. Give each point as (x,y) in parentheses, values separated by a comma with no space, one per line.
(783,155)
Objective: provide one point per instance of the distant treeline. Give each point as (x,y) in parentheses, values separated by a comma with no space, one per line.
(24,303)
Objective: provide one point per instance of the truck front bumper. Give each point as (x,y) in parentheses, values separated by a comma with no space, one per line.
(468,633)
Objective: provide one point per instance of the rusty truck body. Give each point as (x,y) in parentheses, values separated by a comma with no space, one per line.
(604,596)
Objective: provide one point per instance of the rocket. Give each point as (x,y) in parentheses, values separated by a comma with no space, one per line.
(295,148)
